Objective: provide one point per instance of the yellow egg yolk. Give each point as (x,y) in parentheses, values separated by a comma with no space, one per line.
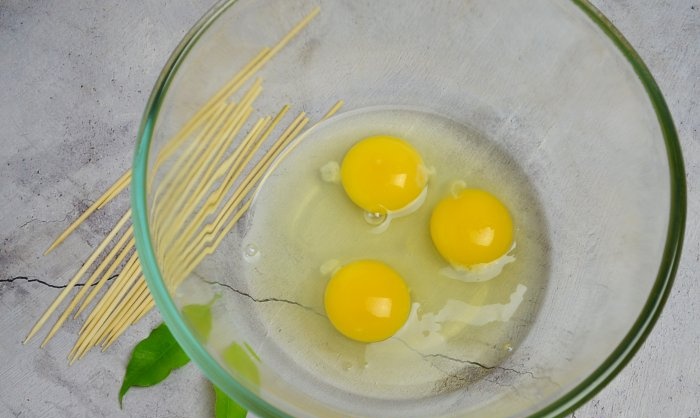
(367,301)
(471,227)
(382,174)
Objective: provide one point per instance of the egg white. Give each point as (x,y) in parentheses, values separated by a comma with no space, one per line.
(479,272)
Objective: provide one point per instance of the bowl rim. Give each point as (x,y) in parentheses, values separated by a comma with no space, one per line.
(567,402)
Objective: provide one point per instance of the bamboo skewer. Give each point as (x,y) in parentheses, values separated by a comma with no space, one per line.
(210,206)
(128,299)
(333,110)
(182,189)
(74,280)
(203,171)
(193,149)
(133,298)
(139,293)
(133,318)
(122,255)
(185,263)
(175,175)
(136,298)
(98,310)
(205,111)
(235,165)
(196,184)
(267,166)
(207,209)
(251,68)
(89,330)
(239,111)
(113,191)
(236,81)
(191,205)
(115,250)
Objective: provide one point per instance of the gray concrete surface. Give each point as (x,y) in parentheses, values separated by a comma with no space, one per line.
(74,79)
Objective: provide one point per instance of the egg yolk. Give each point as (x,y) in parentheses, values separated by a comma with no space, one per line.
(471,227)
(367,301)
(381,174)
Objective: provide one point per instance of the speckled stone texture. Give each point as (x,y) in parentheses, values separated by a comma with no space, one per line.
(74,80)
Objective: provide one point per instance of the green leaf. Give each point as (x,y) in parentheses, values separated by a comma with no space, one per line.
(238,359)
(199,317)
(152,360)
(226,407)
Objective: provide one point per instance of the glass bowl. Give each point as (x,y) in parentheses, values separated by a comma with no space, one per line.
(549,89)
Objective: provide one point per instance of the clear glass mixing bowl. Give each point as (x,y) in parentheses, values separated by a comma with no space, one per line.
(553,84)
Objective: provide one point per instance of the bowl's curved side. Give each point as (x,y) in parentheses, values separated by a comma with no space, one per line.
(629,346)
(171,315)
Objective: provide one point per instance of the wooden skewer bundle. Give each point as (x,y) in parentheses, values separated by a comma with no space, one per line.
(206,189)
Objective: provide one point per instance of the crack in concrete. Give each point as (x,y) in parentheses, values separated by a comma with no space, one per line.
(505,369)
(263,300)
(464,380)
(446,357)
(53,286)
(474,363)
(43,221)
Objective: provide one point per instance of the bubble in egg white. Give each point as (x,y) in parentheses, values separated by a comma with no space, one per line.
(405,211)
(330,172)
(374,218)
(251,253)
